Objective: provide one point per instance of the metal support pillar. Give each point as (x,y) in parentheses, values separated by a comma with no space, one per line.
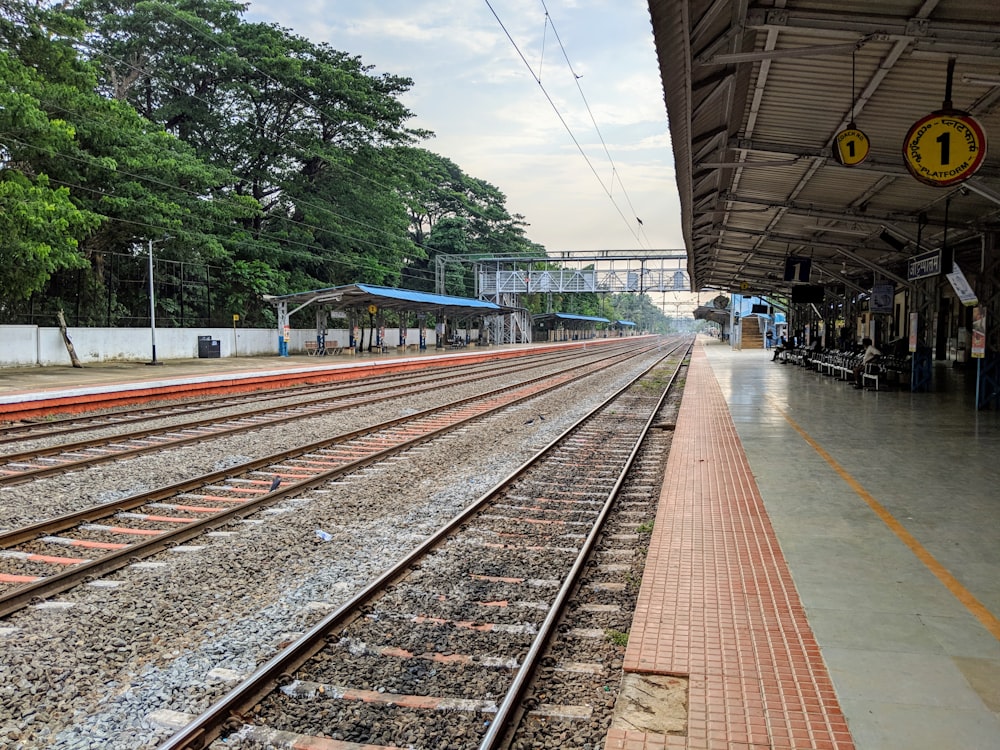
(320,330)
(283,328)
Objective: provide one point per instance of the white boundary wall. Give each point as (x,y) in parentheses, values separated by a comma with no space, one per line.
(26,346)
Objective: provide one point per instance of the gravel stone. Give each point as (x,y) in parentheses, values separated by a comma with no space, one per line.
(91,676)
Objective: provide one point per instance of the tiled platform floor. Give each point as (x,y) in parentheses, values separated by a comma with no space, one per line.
(825,564)
(717,603)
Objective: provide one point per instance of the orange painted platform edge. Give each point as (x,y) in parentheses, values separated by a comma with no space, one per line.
(76,403)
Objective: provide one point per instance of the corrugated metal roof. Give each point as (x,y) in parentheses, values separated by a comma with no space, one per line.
(360,296)
(568,316)
(425,298)
(755,95)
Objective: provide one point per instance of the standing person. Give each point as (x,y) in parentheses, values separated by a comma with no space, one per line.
(869,355)
(768,340)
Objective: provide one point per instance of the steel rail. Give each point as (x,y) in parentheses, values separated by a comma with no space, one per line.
(95,512)
(493,401)
(304,374)
(500,728)
(116,453)
(29,430)
(205,728)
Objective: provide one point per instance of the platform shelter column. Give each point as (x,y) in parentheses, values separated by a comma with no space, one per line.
(283,328)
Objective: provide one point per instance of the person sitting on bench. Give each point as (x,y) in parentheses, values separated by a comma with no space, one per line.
(782,346)
(811,352)
(870,355)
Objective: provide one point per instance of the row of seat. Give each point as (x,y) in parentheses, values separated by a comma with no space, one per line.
(882,372)
(313,349)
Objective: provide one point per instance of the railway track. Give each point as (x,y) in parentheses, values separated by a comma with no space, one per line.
(46,461)
(441,649)
(95,541)
(118,417)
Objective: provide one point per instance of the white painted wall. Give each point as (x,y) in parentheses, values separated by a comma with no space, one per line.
(26,346)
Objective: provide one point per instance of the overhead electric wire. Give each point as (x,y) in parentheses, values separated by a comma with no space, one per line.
(249,62)
(569,130)
(576,78)
(311,104)
(97,163)
(280,250)
(256,236)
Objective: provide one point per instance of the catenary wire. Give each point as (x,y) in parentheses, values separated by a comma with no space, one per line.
(237,178)
(569,130)
(576,78)
(142,178)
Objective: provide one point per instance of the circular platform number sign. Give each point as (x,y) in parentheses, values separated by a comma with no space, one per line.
(944,148)
(850,147)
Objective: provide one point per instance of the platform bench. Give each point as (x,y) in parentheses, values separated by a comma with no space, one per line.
(885,370)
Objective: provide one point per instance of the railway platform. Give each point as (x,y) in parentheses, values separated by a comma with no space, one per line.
(823,566)
(32,392)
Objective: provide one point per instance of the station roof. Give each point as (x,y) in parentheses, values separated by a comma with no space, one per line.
(756,94)
(570,317)
(360,296)
(714,314)
(624,323)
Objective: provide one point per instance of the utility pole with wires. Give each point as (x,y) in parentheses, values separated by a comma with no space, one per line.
(152,302)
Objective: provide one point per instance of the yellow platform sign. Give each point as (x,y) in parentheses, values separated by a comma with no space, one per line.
(851,147)
(944,148)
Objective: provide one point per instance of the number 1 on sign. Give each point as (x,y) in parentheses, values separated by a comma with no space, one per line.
(945,140)
(851,147)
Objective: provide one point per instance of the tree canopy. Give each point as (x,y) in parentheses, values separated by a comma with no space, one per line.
(254,160)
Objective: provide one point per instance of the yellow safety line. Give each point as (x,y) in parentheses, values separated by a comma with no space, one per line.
(971,603)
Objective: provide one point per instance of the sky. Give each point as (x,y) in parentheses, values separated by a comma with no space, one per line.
(492,117)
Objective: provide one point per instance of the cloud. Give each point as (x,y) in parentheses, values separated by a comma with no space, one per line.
(490,116)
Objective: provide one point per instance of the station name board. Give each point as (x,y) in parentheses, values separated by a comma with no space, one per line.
(924,265)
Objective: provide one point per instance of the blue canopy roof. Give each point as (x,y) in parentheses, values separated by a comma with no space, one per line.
(426,298)
(624,323)
(569,316)
(360,296)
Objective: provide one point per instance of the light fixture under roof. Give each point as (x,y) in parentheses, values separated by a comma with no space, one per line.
(978,79)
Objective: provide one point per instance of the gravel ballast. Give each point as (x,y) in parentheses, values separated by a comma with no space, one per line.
(157,635)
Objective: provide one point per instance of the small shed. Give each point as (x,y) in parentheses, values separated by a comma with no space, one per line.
(361,304)
(626,328)
(565,326)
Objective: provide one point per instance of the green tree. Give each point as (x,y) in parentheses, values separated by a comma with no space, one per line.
(258,162)
(41,228)
(452,213)
(138,181)
(299,127)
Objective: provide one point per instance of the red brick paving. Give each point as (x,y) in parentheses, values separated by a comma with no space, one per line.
(718,605)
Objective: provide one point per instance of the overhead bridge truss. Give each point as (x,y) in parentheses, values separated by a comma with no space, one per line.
(573,272)
(567,281)
(502,280)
